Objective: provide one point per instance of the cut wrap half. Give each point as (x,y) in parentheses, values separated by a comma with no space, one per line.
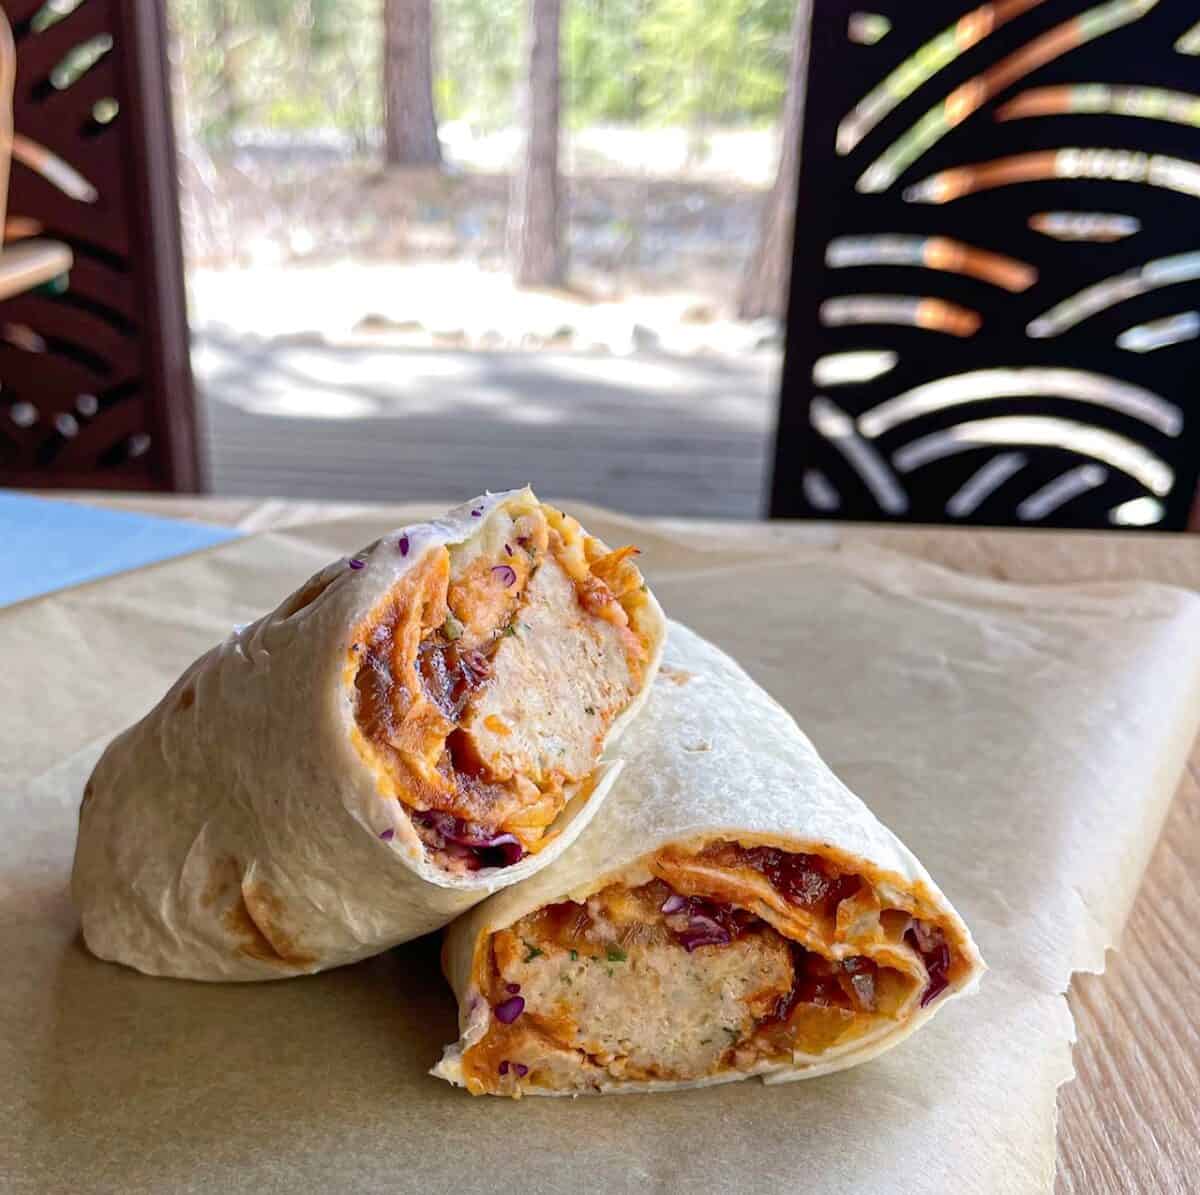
(733,910)
(415,727)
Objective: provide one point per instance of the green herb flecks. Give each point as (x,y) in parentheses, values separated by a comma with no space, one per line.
(574,956)
(590,710)
(452,628)
(615,955)
(534,952)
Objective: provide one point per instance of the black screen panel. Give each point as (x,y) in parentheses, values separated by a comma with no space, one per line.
(997,267)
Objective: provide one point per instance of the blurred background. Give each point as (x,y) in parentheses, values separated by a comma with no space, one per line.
(433,246)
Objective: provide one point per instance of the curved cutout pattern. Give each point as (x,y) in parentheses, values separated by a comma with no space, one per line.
(931,59)
(53,169)
(1161,334)
(1189,43)
(913,311)
(1142,103)
(51,13)
(1044,431)
(1154,275)
(1102,228)
(105,110)
(22,336)
(1033,382)
(867,28)
(984,482)
(830,421)
(818,489)
(851,369)
(23,414)
(80,59)
(1072,137)
(965,101)
(1137,512)
(931,253)
(1112,165)
(1060,491)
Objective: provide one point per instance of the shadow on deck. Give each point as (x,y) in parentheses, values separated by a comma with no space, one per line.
(649,434)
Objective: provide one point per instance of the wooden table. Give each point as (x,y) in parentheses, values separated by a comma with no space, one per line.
(1130,1122)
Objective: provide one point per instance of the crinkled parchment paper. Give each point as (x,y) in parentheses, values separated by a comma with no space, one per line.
(1023,741)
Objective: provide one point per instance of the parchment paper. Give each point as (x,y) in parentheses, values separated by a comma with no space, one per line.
(1023,741)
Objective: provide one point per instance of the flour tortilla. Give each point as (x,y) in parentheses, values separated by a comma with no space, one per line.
(235,833)
(712,756)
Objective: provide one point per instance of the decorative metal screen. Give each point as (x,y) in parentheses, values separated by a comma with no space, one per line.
(995,306)
(95,386)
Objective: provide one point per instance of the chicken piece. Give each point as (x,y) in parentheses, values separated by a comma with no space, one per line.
(557,683)
(690,1008)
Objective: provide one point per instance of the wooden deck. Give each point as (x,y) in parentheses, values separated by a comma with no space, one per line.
(649,434)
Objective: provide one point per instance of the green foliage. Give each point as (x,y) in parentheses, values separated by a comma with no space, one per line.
(303,64)
(601,48)
(281,64)
(708,61)
(477,60)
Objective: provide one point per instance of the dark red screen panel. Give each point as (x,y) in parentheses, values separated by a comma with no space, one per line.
(95,386)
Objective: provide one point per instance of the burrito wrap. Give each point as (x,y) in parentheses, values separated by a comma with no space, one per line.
(413,728)
(733,910)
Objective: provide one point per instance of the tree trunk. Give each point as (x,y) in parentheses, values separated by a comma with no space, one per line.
(764,289)
(535,232)
(410,128)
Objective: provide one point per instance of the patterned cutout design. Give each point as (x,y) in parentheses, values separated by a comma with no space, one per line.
(1161,333)
(1102,227)
(94,384)
(868,28)
(994,267)
(1189,43)
(1143,103)
(846,369)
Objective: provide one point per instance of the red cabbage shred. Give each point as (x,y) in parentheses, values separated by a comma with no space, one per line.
(708,923)
(804,880)
(508,1010)
(930,944)
(478,847)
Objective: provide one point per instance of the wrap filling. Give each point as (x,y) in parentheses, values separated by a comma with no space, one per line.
(486,682)
(727,959)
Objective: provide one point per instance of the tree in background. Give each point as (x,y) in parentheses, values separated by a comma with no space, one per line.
(479,61)
(292,66)
(601,48)
(295,72)
(535,232)
(765,283)
(287,65)
(708,61)
(410,128)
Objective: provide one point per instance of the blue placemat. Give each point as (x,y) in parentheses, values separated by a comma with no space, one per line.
(45,545)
